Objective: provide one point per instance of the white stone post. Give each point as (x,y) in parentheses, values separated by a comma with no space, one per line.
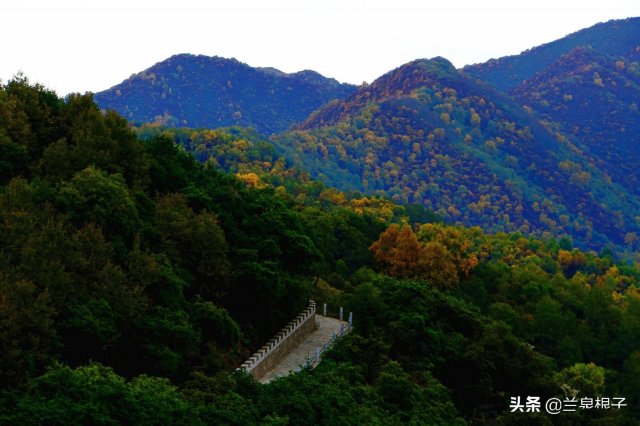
(324,310)
(341,311)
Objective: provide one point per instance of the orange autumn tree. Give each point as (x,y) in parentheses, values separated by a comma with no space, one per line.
(400,254)
(397,251)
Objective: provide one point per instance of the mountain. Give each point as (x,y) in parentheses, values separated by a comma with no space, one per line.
(134,280)
(615,37)
(202,91)
(542,143)
(429,134)
(593,98)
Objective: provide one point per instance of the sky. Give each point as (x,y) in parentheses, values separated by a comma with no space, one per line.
(84,45)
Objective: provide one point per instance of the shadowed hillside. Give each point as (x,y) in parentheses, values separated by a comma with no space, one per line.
(426,133)
(202,91)
(594,99)
(616,37)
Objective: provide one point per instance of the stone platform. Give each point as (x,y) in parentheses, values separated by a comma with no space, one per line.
(324,331)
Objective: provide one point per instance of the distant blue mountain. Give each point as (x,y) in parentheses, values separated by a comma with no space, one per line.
(202,91)
(616,37)
(593,99)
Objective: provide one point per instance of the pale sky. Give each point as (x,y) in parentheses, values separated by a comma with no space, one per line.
(86,45)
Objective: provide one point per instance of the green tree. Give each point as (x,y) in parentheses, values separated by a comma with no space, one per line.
(196,242)
(13,159)
(581,380)
(27,333)
(93,196)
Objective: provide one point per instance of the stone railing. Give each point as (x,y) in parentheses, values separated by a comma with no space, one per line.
(312,361)
(272,352)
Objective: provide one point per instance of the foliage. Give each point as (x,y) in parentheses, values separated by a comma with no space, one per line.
(600,119)
(132,254)
(427,134)
(616,37)
(130,291)
(201,91)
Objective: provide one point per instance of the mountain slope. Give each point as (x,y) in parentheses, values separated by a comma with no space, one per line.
(593,97)
(616,37)
(426,133)
(201,91)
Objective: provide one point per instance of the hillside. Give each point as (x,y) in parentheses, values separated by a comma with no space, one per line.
(426,133)
(202,91)
(134,280)
(594,99)
(616,37)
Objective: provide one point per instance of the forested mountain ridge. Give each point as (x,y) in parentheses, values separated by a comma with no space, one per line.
(134,279)
(140,265)
(440,137)
(593,98)
(427,133)
(202,91)
(615,37)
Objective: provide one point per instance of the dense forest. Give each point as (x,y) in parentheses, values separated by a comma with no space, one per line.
(593,97)
(134,279)
(542,143)
(202,91)
(427,134)
(424,134)
(617,37)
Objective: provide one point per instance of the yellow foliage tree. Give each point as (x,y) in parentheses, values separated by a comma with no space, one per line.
(252,180)
(398,251)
